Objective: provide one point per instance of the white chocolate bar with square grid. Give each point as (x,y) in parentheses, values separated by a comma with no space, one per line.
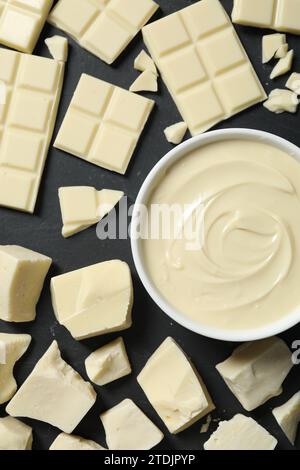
(31,88)
(21,22)
(103,124)
(103,27)
(204,64)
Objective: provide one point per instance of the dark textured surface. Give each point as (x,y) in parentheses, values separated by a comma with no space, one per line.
(41,232)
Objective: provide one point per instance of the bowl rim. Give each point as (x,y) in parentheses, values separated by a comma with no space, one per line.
(166,162)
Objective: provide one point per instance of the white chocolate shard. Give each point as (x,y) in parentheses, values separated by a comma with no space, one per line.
(146,81)
(58,47)
(288,417)
(69,442)
(54,393)
(283,66)
(175,133)
(271,43)
(282,51)
(14,435)
(280,101)
(293,83)
(143,63)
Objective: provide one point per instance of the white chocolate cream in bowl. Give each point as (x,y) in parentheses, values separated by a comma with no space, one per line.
(236,275)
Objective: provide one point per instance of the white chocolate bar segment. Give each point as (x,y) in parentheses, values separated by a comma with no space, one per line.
(21,22)
(103,124)
(103,27)
(32,88)
(203,64)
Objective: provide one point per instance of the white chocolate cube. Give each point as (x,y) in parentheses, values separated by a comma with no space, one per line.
(288,417)
(14,435)
(69,442)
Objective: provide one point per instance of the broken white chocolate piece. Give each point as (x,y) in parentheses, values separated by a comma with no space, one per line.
(283,66)
(280,101)
(23,274)
(58,48)
(205,427)
(282,51)
(175,133)
(128,428)
(14,435)
(288,417)
(95,300)
(104,28)
(21,22)
(293,83)
(256,371)
(54,393)
(240,433)
(146,81)
(103,124)
(143,63)
(108,363)
(173,387)
(271,43)
(69,442)
(13,347)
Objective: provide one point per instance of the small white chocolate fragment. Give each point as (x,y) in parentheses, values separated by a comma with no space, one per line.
(240,433)
(23,274)
(69,442)
(58,48)
(14,435)
(282,51)
(128,428)
(271,43)
(95,300)
(293,83)
(256,371)
(54,393)
(205,426)
(288,417)
(146,81)
(143,63)
(108,363)
(175,133)
(280,101)
(173,387)
(13,347)
(283,66)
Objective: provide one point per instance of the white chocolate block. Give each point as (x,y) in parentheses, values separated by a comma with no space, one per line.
(58,48)
(203,64)
(271,44)
(103,124)
(21,22)
(280,101)
(240,433)
(293,83)
(103,27)
(95,300)
(173,387)
(146,81)
(280,15)
(23,274)
(256,371)
(27,117)
(175,133)
(128,428)
(282,51)
(288,417)
(14,435)
(108,363)
(14,347)
(283,66)
(143,63)
(54,393)
(69,442)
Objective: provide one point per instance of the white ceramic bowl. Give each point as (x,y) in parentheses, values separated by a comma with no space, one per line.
(218,333)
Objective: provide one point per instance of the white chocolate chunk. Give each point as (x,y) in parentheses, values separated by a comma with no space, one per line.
(271,43)
(280,101)
(174,389)
(69,442)
(58,48)
(282,51)
(22,278)
(108,363)
(14,435)
(256,371)
(103,124)
(146,81)
(293,83)
(13,348)
(240,433)
(288,417)
(95,300)
(175,133)
(143,63)
(54,393)
(128,428)
(283,66)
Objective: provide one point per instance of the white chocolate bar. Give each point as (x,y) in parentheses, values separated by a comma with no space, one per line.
(21,22)
(203,64)
(27,116)
(288,417)
(280,15)
(103,27)
(69,442)
(14,435)
(103,124)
